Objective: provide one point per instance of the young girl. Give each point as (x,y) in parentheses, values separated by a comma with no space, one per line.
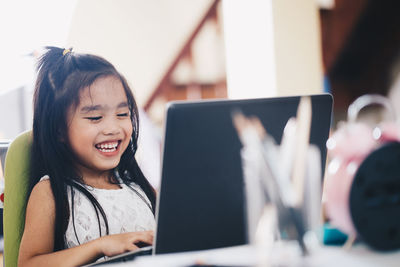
(88,196)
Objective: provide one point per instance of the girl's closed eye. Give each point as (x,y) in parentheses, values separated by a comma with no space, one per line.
(94,118)
(125,114)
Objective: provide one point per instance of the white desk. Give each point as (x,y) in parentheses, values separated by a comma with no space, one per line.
(285,255)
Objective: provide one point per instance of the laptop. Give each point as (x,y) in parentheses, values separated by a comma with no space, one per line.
(201,199)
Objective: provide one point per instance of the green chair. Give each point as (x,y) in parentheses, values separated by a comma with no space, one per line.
(16,181)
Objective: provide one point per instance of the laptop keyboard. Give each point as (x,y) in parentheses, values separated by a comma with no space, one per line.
(128,256)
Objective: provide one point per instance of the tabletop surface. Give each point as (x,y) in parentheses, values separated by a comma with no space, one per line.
(282,255)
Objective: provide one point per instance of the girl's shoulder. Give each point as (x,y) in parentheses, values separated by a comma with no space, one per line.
(43,185)
(42,193)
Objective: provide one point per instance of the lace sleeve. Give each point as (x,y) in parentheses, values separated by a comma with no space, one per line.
(44,178)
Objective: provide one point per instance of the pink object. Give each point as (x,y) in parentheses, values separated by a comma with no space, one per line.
(347,148)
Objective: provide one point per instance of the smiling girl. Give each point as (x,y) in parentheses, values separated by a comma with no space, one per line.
(88,196)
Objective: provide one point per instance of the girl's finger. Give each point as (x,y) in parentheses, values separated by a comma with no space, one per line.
(132,247)
(147,238)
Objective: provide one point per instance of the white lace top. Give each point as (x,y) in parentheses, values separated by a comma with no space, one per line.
(125,209)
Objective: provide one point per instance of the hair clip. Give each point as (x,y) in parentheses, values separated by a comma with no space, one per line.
(66,51)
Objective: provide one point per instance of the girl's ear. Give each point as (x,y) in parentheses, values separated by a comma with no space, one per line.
(61,136)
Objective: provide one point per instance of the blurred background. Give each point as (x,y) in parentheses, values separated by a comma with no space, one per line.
(205,49)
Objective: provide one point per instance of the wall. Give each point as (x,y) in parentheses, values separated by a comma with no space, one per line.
(15,112)
(273,48)
(141,38)
(297,47)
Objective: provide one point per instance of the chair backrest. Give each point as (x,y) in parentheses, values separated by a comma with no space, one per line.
(16,182)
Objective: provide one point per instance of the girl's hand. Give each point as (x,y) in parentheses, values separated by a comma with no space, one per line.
(112,245)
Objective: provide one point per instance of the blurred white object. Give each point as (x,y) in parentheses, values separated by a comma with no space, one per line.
(287,176)
(149,150)
(326,4)
(265,235)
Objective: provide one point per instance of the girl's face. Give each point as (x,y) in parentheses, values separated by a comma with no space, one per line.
(100,127)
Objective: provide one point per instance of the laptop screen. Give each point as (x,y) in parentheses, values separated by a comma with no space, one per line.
(201,202)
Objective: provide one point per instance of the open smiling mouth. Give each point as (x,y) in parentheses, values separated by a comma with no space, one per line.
(108,147)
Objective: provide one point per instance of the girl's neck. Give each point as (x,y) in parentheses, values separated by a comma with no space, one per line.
(100,180)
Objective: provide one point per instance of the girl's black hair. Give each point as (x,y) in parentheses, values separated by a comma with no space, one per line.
(61,78)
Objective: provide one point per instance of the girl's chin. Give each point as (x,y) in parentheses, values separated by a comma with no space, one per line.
(105,166)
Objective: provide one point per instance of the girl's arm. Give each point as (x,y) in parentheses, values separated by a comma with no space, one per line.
(37,242)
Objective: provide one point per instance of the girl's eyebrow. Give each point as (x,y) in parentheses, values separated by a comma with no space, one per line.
(87,109)
(123,105)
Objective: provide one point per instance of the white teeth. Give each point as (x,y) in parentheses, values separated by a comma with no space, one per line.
(107,147)
(107,150)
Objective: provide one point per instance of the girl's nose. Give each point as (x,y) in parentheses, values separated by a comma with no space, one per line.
(111,128)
